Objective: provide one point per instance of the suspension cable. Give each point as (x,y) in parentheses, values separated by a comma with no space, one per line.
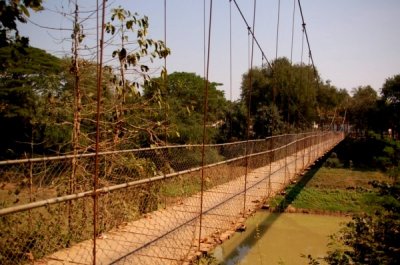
(291,47)
(248,48)
(248,110)
(205,111)
(204,38)
(230,50)
(277,30)
(308,41)
(310,57)
(98,106)
(344,119)
(165,75)
(333,120)
(302,46)
(252,34)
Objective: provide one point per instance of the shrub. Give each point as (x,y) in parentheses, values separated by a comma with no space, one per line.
(333,161)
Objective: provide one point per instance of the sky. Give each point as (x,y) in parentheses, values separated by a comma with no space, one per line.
(353,42)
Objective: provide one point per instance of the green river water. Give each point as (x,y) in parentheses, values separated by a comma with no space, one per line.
(272,238)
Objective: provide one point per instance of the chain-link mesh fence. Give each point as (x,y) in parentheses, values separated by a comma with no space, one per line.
(152,206)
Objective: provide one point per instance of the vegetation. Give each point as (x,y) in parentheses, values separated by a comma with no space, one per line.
(12,13)
(369,112)
(287,97)
(332,190)
(372,235)
(183,96)
(373,238)
(360,178)
(27,101)
(48,107)
(170,109)
(49,104)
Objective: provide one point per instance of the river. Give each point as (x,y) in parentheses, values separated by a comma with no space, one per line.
(273,238)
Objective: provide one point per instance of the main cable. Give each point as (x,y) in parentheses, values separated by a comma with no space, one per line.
(308,41)
(310,57)
(252,34)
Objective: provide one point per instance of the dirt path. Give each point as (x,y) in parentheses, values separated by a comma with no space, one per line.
(170,236)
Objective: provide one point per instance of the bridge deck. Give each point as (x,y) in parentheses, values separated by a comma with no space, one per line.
(169,236)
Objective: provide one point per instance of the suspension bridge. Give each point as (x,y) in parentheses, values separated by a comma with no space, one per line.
(240,178)
(158,205)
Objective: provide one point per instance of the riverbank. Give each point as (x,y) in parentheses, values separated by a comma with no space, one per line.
(330,191)
(300,219)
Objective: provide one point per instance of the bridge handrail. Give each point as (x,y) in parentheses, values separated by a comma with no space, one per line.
(70,197)
(82,155)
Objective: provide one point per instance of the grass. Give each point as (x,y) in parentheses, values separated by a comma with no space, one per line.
(334,200)
(345,178)
(341,190)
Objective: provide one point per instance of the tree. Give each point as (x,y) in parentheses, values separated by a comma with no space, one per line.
(391,89)
(284,92)
(391,97)
(132,72)
(11,13)
(235,123)
(372,239)
(28,88)
(268,122)
(363,108)
(332,103)
(184,97)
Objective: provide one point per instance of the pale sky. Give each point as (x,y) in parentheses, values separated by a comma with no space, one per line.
(353,42)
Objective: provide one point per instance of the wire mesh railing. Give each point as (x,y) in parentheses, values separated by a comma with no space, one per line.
(147,200)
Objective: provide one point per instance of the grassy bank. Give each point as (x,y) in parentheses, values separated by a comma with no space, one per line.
(342,190)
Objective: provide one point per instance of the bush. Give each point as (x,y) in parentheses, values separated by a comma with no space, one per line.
(370,238)
(333,161)
(394,173)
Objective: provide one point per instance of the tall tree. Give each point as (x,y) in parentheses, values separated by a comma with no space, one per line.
(184,95)
(363,110)
(28,88)
(281,93)
(332,103)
